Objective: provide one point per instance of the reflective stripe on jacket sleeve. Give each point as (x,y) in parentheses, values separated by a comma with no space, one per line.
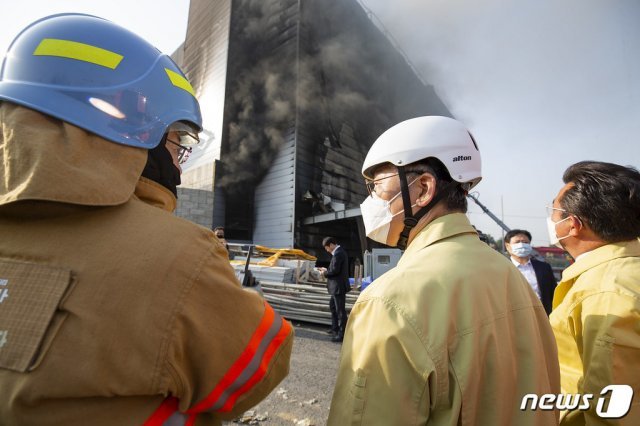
(248,369)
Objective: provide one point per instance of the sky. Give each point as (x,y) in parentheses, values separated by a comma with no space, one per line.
(162,22)
(541,84)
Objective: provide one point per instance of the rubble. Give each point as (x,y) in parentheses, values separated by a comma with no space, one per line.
(251,417)
(307,301)
(290,282)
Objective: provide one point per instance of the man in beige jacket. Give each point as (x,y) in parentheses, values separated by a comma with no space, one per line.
(114,311)
(454,335)
(595,217)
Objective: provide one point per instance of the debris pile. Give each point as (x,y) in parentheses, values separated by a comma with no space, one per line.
(291,284)
(252,418)
(307,302)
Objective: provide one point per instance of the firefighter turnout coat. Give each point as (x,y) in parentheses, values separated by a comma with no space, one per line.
(114,311)
(453,335)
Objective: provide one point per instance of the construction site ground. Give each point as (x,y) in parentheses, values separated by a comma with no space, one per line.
(304,397)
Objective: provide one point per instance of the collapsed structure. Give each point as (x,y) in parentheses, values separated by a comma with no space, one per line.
(293,93)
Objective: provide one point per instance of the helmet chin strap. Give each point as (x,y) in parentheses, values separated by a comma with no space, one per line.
(411,220)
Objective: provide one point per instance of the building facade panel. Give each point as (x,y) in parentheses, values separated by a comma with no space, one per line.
(203,58)
(275,202)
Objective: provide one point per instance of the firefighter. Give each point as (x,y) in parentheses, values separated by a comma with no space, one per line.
(453,334)
(115,312)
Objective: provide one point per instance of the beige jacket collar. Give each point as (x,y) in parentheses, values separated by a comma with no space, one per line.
(42,158)
(153,193)
(601,255)
(443,227)
(596,257)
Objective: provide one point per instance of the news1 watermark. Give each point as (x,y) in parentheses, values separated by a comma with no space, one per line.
(613,402)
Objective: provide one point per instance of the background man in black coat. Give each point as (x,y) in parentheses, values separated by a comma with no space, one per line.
(538,274)
(337,285)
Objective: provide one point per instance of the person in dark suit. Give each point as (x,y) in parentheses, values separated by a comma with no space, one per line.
(338,285)
(539,274)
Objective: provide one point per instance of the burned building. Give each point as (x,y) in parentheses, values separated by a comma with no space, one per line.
(293,94)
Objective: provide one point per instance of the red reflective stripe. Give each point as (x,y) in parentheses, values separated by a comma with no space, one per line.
(264,364)
(191,421)
(163,412)
(241,363)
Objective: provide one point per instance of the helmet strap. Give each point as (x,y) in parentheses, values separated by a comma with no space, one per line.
(411,220)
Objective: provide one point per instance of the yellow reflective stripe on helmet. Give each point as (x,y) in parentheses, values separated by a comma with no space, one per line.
(179,81)
(79,51)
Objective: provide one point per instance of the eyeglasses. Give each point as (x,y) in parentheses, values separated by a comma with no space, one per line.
(220,235)
(371,183)
(183,151)
(550,210)
(187,137)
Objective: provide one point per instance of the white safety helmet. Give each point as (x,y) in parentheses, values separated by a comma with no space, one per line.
(432,136)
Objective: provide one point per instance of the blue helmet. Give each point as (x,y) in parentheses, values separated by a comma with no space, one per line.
(100,77)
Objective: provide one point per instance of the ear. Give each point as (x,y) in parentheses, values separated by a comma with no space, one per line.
(427,183)
(576,226)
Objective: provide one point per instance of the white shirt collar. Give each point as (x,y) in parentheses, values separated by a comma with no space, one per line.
(334,250)
(515,262)
(583,255)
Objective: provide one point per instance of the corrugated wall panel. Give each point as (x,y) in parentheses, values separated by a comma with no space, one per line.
(285,213)
(267,208)
(275,200)
(277,188)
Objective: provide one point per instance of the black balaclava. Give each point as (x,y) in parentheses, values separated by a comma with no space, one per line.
(160,167)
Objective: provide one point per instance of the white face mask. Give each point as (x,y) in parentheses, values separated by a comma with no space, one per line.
(521,249)
(554,240)
(377,216)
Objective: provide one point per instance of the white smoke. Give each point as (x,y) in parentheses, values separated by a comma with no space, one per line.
(542,84)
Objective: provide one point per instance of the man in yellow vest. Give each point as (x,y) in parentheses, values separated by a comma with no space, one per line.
(596,307)
(454,335)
